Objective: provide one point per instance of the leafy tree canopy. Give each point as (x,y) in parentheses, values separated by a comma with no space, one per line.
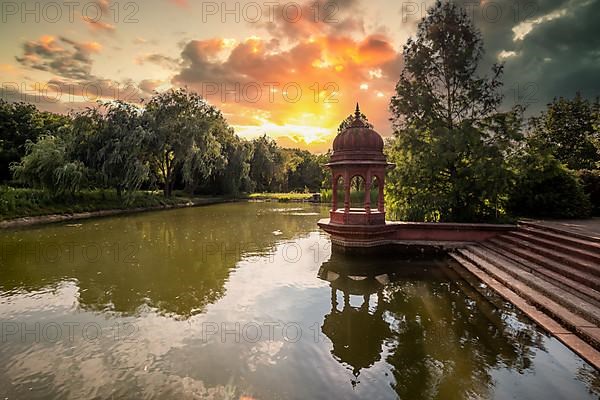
(21,123)
(451,146)
(46,166)
(181,133)
(569,130)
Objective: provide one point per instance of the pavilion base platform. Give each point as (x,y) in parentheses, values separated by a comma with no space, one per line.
(408,237)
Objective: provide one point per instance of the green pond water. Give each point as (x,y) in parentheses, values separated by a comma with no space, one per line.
(246,300)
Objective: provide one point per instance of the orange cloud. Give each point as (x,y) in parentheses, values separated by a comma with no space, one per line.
(375,50)
(61,56)
(208,48)
(92,47)
(104,5)
(150,85)
(99,25)
(295,84)
(180,3)
(304,90)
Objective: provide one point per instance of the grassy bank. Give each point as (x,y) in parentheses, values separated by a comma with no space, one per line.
(17,203)
(281,196)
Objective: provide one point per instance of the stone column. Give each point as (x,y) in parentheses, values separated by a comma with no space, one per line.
(380,206)
(334,189)
(368,192)
(347,184)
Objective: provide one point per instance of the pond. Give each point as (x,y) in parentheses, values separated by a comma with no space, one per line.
(246,300)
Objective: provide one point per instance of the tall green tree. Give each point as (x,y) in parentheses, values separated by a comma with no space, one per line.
(21,123)
(451,146)
(266,159)
(180,126)
(110,141)
(326,178)
(304,172)
(235,177)
(545,188)
(568,129)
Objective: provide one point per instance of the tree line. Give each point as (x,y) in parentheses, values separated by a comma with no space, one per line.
(458,156)
(174,141)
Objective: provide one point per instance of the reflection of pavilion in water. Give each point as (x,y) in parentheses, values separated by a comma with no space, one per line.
(358,333)
(416,319)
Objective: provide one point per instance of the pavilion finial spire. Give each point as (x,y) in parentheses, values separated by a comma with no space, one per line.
(357,111)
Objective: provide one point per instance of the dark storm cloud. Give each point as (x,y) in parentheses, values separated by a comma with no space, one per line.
(550,48)
(560,56)
(325,17)
(199,64)
(160,59)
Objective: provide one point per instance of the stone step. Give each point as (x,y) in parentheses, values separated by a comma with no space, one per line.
(547,313)
(572,241)
(565,232)
(485,304)
(575,274)
(576,251)
(578,289)
(556,255)
(512,274)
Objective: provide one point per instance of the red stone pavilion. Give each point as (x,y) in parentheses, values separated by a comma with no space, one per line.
(358,153)
(358,166)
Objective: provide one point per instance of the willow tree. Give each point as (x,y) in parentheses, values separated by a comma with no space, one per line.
(450,143)
(266,163)
(181,137)
(108,141)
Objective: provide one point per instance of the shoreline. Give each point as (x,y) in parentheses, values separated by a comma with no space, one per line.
(22,222)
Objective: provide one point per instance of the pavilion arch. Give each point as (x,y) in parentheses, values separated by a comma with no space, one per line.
(376,192)
(357,191)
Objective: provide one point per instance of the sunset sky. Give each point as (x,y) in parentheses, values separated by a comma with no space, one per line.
(272,68)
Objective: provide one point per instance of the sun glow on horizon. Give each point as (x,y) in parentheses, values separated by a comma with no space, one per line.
(295,83)
(291,135)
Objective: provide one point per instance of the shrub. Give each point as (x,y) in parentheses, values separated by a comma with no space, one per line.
(326,195)
(7,200)
(590,180)
(18,202)
(546,188)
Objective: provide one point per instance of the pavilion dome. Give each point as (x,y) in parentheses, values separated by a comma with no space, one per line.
(358,142)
